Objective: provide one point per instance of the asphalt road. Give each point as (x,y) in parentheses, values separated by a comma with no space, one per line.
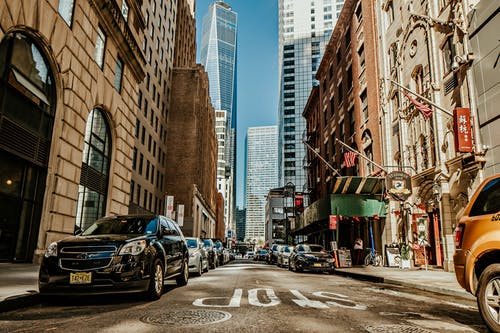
(248,297)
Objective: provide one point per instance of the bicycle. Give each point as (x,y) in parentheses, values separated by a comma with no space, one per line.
(373,258)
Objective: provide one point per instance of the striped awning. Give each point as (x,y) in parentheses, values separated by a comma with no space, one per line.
(359,185)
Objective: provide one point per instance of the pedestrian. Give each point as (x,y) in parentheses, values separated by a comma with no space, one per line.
(358,248)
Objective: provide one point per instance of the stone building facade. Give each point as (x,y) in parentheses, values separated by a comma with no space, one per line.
(192,157)
(147,188)
(424,56)
(69,74)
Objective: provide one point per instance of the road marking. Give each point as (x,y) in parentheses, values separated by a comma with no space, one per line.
(253,297)
(341,300)
(235,301)
(306,302)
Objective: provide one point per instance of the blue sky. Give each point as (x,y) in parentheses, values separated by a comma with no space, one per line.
(257,67)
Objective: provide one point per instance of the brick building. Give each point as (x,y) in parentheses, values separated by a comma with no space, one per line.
(192,151)
(344,108)
(69,74)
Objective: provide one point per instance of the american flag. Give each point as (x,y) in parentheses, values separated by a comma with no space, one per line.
(424,109)
(349,159)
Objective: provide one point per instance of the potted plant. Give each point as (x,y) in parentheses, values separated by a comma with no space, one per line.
(405,251)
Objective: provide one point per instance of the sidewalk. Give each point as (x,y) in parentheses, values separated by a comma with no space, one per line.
(19,282)
(433,280)
(18,286)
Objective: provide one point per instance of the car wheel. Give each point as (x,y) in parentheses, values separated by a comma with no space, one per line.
(182,279)
(488,297)
(205,269)
(156,279)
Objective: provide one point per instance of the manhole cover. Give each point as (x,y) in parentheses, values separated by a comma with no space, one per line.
(187,317)
(396,329)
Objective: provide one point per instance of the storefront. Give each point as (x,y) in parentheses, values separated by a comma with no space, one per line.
(359,210)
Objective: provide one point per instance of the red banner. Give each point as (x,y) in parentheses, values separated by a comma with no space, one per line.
(333,222)
(463,130)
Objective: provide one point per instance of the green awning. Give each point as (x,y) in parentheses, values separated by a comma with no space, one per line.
(356,205)
(341,204)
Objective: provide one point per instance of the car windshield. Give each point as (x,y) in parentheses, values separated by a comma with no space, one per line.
(313,248)
(191,243)
(207,242)
(124,226)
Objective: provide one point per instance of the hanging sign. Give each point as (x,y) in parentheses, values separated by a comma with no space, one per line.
(180,215)
(463,131)
(333,222)
(398,185)
(169,206)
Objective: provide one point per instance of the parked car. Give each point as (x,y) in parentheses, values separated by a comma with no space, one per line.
(311,257)
(132,253)
(284,255)
(272,255)
(213,258)
(198,258)
(477,250)
(260,255)
(249,255)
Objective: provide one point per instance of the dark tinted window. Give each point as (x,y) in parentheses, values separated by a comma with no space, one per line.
(313,248)
(141,226)
(488,201)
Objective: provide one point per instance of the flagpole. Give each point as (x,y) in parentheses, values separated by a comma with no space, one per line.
(321,158)
(361,155)
(421,97)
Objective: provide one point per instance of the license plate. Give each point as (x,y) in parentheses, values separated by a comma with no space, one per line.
(80,278)
(317,265)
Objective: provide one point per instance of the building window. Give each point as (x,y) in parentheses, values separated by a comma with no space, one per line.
(141,162)
(93,188)
(134,159)
(132,188)
(448,50)
(100,46)
(340,94)
(118,74)
(65,9)
(125,10)
(138,196)
(364,105)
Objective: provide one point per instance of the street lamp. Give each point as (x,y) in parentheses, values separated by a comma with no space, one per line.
(288,192)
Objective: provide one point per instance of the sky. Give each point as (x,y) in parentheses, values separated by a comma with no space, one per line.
(257,70)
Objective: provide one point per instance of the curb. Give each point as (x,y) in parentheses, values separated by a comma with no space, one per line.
(378,279)
(19,301)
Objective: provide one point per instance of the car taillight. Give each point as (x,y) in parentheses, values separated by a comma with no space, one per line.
(459,233)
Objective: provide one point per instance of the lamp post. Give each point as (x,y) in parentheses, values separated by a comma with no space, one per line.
(288,192)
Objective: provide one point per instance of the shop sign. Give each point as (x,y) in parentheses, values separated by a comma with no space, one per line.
(169,206)
(398,185)
(333,222)
(462,129)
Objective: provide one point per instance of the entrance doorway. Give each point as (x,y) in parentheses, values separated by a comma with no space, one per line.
(27,106)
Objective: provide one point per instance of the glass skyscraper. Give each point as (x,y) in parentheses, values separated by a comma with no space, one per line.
(261,176)
(305,28)
(218,56)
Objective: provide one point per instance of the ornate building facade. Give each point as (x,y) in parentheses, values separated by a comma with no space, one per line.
(424,58)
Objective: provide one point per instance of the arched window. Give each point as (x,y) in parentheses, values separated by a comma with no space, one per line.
(27,108)
(95,171)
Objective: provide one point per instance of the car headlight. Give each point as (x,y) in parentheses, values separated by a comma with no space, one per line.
(51,250)
(133,248)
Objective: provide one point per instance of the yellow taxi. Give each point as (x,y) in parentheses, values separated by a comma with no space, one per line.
(477,250)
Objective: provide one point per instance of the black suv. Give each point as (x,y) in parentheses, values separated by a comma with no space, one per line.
(117,254)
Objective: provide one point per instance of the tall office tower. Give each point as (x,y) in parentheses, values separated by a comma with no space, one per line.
(147,188)
(240,223)
(261,176)
(304,30)
(218,55)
